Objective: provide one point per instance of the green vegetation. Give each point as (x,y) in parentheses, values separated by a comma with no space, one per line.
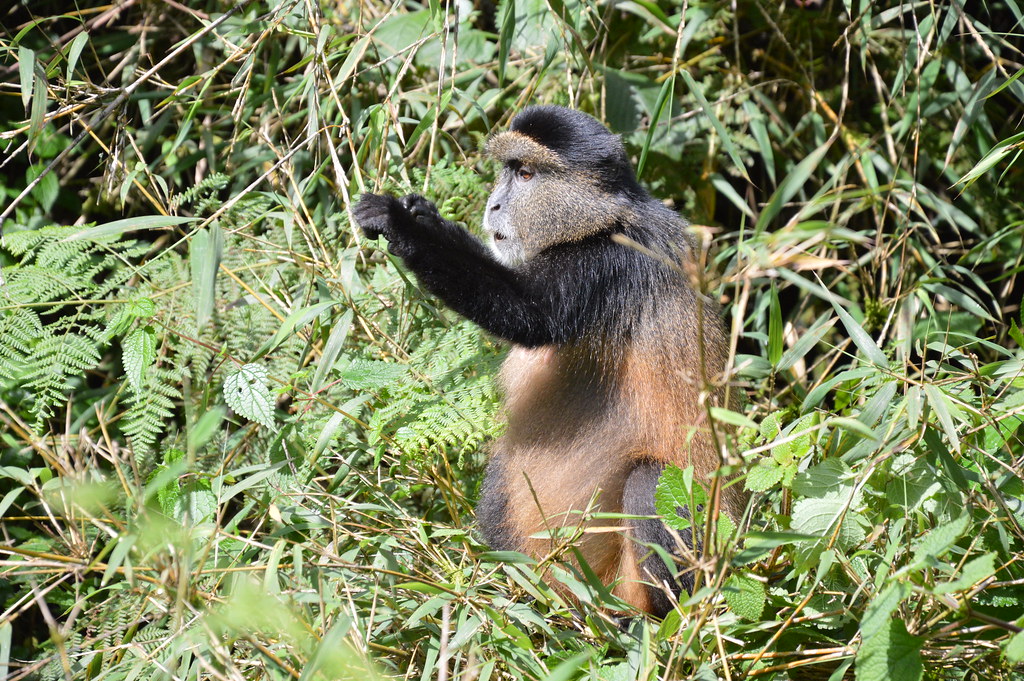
(238,441)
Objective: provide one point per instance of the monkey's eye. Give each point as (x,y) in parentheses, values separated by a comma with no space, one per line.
(524,173)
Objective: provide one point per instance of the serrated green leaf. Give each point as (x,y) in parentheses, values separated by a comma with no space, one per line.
(745,596)
(818,517)
(141,308)
(367,374)
(1013,649)
(765,475)
(246,392)
(937,541)
(676,493)
(882,606)
(770,426)
(137,354)
(196,503)
(820,480)
(890,654)
(982,567)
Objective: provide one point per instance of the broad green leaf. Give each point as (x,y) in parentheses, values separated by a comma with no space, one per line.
(790,185)
(246,391)
(119,227)
(891,654)
(74,51)
(880,609)
(205,250)
(1013,649)
(296,320)
(982,567)
(937,541)
(676,494)
(47,189)
(765,475)
(745,596)
(723,135)
(137,354)
(770,426)
(196,502)
(819,516)
(774,327)
(861,338)
(826,478)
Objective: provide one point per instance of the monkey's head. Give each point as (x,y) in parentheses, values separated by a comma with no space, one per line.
(565,177)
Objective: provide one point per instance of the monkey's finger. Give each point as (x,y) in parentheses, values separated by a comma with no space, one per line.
(420,209)
(375,214)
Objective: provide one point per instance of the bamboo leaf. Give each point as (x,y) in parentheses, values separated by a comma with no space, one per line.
(723,135)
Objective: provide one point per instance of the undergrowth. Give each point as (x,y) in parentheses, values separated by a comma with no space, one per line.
(239,441)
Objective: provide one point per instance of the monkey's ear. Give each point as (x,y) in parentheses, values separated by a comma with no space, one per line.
(377,214)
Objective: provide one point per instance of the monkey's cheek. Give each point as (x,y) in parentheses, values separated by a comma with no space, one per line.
(506,251)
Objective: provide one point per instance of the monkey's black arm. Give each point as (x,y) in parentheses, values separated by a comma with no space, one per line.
(525,306)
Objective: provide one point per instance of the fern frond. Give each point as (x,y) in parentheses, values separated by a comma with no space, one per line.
(20,328)
(152,408)
(448,401)
(56,366)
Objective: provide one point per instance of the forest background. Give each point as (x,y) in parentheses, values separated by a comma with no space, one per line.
(237,441)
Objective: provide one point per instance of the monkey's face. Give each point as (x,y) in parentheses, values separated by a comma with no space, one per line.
(539,202)
(565,177)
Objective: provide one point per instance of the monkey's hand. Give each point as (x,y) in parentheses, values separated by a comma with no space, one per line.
(396,219)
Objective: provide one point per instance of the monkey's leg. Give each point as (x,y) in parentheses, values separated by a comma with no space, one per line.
(493,509)
(638,562)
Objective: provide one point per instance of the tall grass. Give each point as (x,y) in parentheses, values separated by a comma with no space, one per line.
(238,441)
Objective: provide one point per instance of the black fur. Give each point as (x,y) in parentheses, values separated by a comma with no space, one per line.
(638,499)
(565,293)
(492,509)
(582,141)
